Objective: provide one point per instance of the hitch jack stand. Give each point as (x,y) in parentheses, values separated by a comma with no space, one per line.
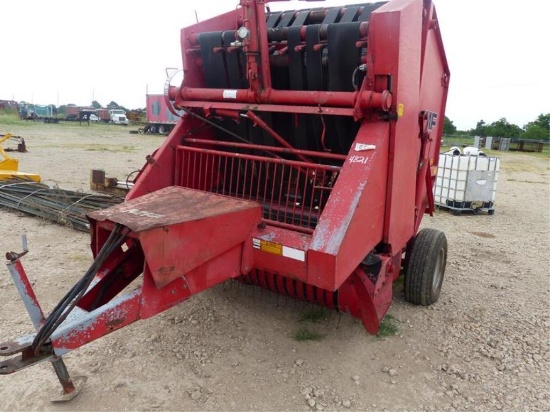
(24,288)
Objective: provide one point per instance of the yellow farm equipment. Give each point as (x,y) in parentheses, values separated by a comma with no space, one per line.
(9,166)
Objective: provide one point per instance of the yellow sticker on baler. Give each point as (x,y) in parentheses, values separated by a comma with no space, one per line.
(278,249)
(400,109)
(271,247)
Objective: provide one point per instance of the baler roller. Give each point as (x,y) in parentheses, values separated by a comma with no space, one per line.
(291,288)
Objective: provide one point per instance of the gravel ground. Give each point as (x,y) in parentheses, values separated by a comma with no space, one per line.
(484,346)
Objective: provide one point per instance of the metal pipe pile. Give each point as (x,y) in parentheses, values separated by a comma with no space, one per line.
(65,207)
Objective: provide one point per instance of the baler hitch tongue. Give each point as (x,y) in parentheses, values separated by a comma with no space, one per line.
(29,352)
(141,235)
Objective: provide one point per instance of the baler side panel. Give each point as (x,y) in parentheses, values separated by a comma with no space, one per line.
(433,98)
(352,222)
(396,33)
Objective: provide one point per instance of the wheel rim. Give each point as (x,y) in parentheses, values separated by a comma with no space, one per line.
(438,272)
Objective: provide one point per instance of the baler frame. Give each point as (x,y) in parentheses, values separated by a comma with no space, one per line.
(314,190)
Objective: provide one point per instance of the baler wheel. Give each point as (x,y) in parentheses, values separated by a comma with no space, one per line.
(425,269)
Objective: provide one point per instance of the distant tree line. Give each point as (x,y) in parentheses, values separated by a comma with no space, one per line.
(539,129)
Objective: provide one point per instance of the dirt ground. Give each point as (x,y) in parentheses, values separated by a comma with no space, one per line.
(484,346)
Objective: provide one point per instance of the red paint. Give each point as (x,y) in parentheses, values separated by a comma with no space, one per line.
(297,222)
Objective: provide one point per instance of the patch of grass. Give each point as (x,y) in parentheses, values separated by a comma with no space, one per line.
(518,162)
(399,284)
(460,141)
(314,315)
(304,334)
(92,147)
(11,118)
(525,181)
(98,149)
(388,327)
(125,149)
(80,258)
(400,280)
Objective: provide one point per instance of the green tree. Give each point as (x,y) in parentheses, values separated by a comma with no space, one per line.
(543,121)
(502,128)
(535,132)
(96,105)
(538,129)
(480,130)
(448,127)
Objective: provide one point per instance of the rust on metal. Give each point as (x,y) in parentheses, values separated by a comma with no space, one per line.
(170,206)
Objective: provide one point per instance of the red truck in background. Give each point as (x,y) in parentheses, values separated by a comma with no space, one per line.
(78,113)
(159,119)
(103,115)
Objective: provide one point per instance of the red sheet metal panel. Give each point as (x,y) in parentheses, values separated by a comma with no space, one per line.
(170,206)
(281,250)
(411,51)
(352,222)
(180,229)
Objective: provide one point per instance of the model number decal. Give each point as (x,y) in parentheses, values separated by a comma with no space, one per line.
(359,159)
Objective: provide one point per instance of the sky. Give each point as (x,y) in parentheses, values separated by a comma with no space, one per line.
(64,51)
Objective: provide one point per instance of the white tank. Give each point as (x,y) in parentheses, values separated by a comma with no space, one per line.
(467,180)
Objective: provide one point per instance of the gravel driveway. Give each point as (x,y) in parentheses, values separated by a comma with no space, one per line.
(484,346)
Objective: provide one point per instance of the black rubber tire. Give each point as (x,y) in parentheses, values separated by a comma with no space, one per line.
(491,212)
(425,269)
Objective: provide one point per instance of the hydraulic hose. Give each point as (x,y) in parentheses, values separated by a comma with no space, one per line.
(71,299)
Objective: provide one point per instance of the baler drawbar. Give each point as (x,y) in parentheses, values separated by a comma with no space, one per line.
(303,164)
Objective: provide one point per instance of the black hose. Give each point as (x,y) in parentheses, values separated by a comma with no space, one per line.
(70,300)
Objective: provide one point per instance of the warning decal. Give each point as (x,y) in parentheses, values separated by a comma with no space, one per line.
(271,247)
(278,249)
